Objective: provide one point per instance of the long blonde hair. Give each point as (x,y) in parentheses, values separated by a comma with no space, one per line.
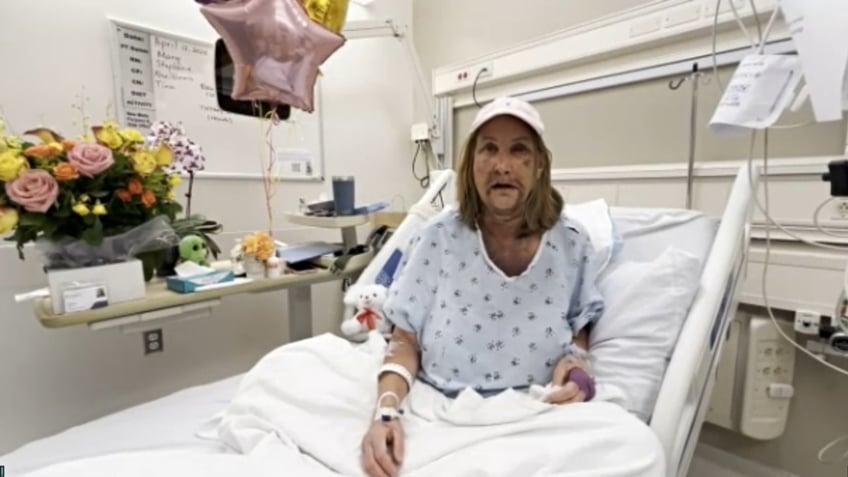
(543,206)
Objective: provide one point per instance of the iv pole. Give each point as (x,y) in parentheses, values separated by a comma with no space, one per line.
(694,78)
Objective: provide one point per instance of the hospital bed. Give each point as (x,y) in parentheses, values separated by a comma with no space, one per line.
(178,422)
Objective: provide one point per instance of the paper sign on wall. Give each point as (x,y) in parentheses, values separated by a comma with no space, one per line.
(137,94)
(762,87)
(295,163)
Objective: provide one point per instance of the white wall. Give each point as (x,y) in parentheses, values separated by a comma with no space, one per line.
(61,377)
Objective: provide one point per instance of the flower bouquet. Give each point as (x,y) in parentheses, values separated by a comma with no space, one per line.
(103,198)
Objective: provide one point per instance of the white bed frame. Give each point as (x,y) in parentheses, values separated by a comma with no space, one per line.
(684,397)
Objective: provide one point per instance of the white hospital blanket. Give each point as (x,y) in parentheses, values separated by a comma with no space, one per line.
(318,395)
(303,409)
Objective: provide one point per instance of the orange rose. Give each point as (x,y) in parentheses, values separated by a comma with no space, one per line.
(68,144)
(148,199)
(42,151)
(65,172)
(124,195)
(135,187)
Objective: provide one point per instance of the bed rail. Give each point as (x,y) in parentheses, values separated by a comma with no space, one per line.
(440,185)
(681,405)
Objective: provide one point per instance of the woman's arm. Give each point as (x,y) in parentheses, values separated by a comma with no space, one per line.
(402,350)
(582,339)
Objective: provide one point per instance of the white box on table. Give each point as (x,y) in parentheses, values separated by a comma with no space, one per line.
(123,282)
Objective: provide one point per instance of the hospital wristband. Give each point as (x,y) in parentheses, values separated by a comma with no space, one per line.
(399,370)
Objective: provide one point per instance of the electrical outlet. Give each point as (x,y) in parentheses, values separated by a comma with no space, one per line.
(420,132)
(840,209)
(807,322)
(468,76)
(153,341)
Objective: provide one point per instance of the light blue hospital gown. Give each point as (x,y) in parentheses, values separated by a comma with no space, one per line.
(478,327)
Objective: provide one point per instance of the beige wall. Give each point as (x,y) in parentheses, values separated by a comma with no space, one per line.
(623,126)
(56,378)
(648,124)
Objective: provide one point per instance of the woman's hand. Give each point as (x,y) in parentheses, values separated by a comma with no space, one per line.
(382,449)
(569,392)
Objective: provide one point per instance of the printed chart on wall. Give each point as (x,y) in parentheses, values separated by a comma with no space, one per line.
(164,77)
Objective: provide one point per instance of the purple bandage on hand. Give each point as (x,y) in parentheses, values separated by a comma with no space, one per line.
(583,381)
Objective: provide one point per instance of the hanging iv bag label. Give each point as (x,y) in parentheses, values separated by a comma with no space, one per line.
(762,87)
(819,30)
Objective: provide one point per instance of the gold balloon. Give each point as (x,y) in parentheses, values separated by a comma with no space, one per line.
(329,13)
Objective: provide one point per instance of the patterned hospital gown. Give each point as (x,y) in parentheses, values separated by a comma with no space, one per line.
(482,329)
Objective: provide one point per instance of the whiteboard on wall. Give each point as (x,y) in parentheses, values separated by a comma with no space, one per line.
(161,76)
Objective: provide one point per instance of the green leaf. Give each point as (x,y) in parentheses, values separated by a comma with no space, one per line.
(32,220)
(94,234)
(213,247)
(50,228)
(99,194)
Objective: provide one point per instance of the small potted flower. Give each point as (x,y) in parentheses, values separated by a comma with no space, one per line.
(256,250)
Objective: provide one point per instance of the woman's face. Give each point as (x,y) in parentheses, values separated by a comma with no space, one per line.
(505,165)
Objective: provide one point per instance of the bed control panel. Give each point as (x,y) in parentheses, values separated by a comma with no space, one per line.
(768,388)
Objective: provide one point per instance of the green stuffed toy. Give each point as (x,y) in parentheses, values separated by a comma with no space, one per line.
(193,249)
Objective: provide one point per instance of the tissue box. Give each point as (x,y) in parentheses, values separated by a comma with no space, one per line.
(192,283)
(121,282)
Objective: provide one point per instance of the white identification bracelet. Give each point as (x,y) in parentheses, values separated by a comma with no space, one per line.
(399,370)
(388,414)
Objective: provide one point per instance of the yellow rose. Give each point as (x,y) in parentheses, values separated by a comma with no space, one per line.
(131,135)
(164,156)
(12,165)
(8,219)
(108,136)
(81,209)
(172,195)
(175,180)
(144,162)
(99,209)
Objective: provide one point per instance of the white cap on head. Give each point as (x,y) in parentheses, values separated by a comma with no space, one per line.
(512,107)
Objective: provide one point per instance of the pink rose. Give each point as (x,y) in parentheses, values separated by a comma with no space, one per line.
(34,190)
(91,159)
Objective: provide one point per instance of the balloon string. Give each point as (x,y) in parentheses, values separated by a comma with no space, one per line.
(270,179)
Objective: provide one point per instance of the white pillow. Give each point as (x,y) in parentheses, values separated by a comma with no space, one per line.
(595,218)
(646,304)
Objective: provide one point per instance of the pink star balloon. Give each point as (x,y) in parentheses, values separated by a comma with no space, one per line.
(276,49)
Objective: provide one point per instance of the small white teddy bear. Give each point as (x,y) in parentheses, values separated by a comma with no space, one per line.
(368,301)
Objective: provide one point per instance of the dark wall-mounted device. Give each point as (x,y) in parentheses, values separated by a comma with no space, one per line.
(224,72)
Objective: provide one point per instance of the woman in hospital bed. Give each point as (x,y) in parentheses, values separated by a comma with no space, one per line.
(497,294)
